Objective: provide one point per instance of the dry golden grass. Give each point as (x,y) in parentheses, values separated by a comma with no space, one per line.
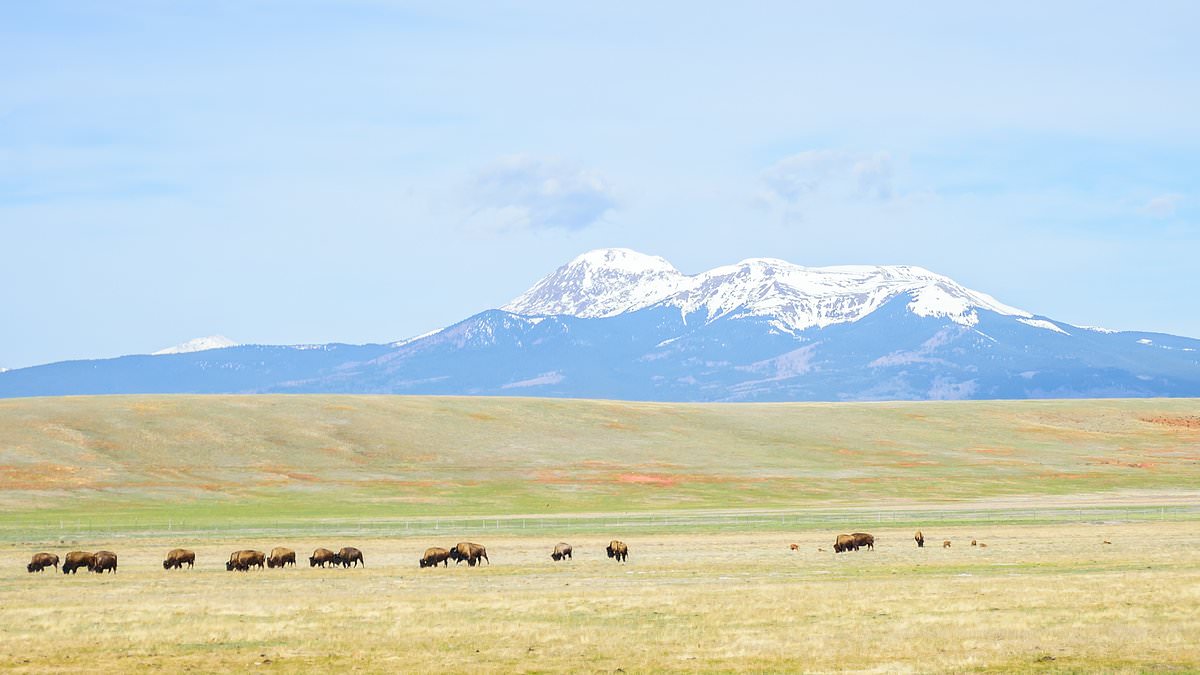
(1037,598)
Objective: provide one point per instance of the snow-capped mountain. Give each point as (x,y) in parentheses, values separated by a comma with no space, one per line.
(614,323)
(200,344)
(607,282)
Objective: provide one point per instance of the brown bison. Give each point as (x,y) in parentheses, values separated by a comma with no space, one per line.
(242,561)
(982,545)
(104,561)
(794,547)
(77,559)
(349,556)
(561,550)
(946,544)
(974,543)
(178,557)
(844,542)
(920,539)
(435,555)
(472,553)
(617,549)
(281,556)
(321,557)
(863,540)
(41,561)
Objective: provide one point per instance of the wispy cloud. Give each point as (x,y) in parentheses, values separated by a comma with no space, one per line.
(536,193)
(1162,206)
(814,174)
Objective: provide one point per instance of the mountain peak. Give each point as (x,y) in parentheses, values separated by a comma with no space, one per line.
(607,282)
(600,283)
(200,344)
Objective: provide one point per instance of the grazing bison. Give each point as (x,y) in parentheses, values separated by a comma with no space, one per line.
(435,555)
(946,544)
(794,547)
(982,545)
(243,560)
(472,553)
(178,557)
(862,539)
(104,561)
(348,556)
(77,559)
(617,549)
(974,543)
(561,550)
(41,561)
(321,557)
(281,556)
(920,539)
(844,542)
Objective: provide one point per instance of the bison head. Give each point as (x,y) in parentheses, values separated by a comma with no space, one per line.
(229,566)
(166,564)
(29,567)
(610,551)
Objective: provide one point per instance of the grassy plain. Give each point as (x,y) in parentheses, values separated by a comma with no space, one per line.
(1050,598)
(234,461)
(708,497)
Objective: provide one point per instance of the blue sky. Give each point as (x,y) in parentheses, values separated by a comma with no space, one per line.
(286,172)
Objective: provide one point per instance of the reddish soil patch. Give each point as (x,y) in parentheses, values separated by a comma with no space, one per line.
(1191,422)
(647,479)
(481,416)
(993,451)
(617,425)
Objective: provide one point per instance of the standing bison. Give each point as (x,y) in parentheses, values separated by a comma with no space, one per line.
(103,561)
(243,560)
(920,539)
(863,540)
(844,542)
(321,557)
(561,550)
(77,559)
(472,553)
(617,549)
(178,557)
(349,556)
(41,561)
(435,555)
(281,556)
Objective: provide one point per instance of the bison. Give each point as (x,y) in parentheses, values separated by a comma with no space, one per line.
(472,553)
(946,544)
(794,547)
(435,555)
(321,557)
(844,542)
(974,543)
(243,560)
(617,549)
(77,559)
(561,550)
(104,561)
(920,539)
(178,557)
(862,539)
(41,561)
(281,556)
(348,556)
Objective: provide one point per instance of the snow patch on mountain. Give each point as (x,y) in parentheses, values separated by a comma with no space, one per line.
(201,344)
(1042,323)
(608,282)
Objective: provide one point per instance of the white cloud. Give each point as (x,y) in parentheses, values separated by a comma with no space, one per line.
(1162,206)
(529,192)
(792,182)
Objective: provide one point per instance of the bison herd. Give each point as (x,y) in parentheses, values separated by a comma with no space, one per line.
(247,559)
(853,542)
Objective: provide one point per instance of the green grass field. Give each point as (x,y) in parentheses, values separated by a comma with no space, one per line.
(709,497)
(220,461)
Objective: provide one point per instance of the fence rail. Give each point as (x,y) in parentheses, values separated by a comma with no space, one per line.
(801,519)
